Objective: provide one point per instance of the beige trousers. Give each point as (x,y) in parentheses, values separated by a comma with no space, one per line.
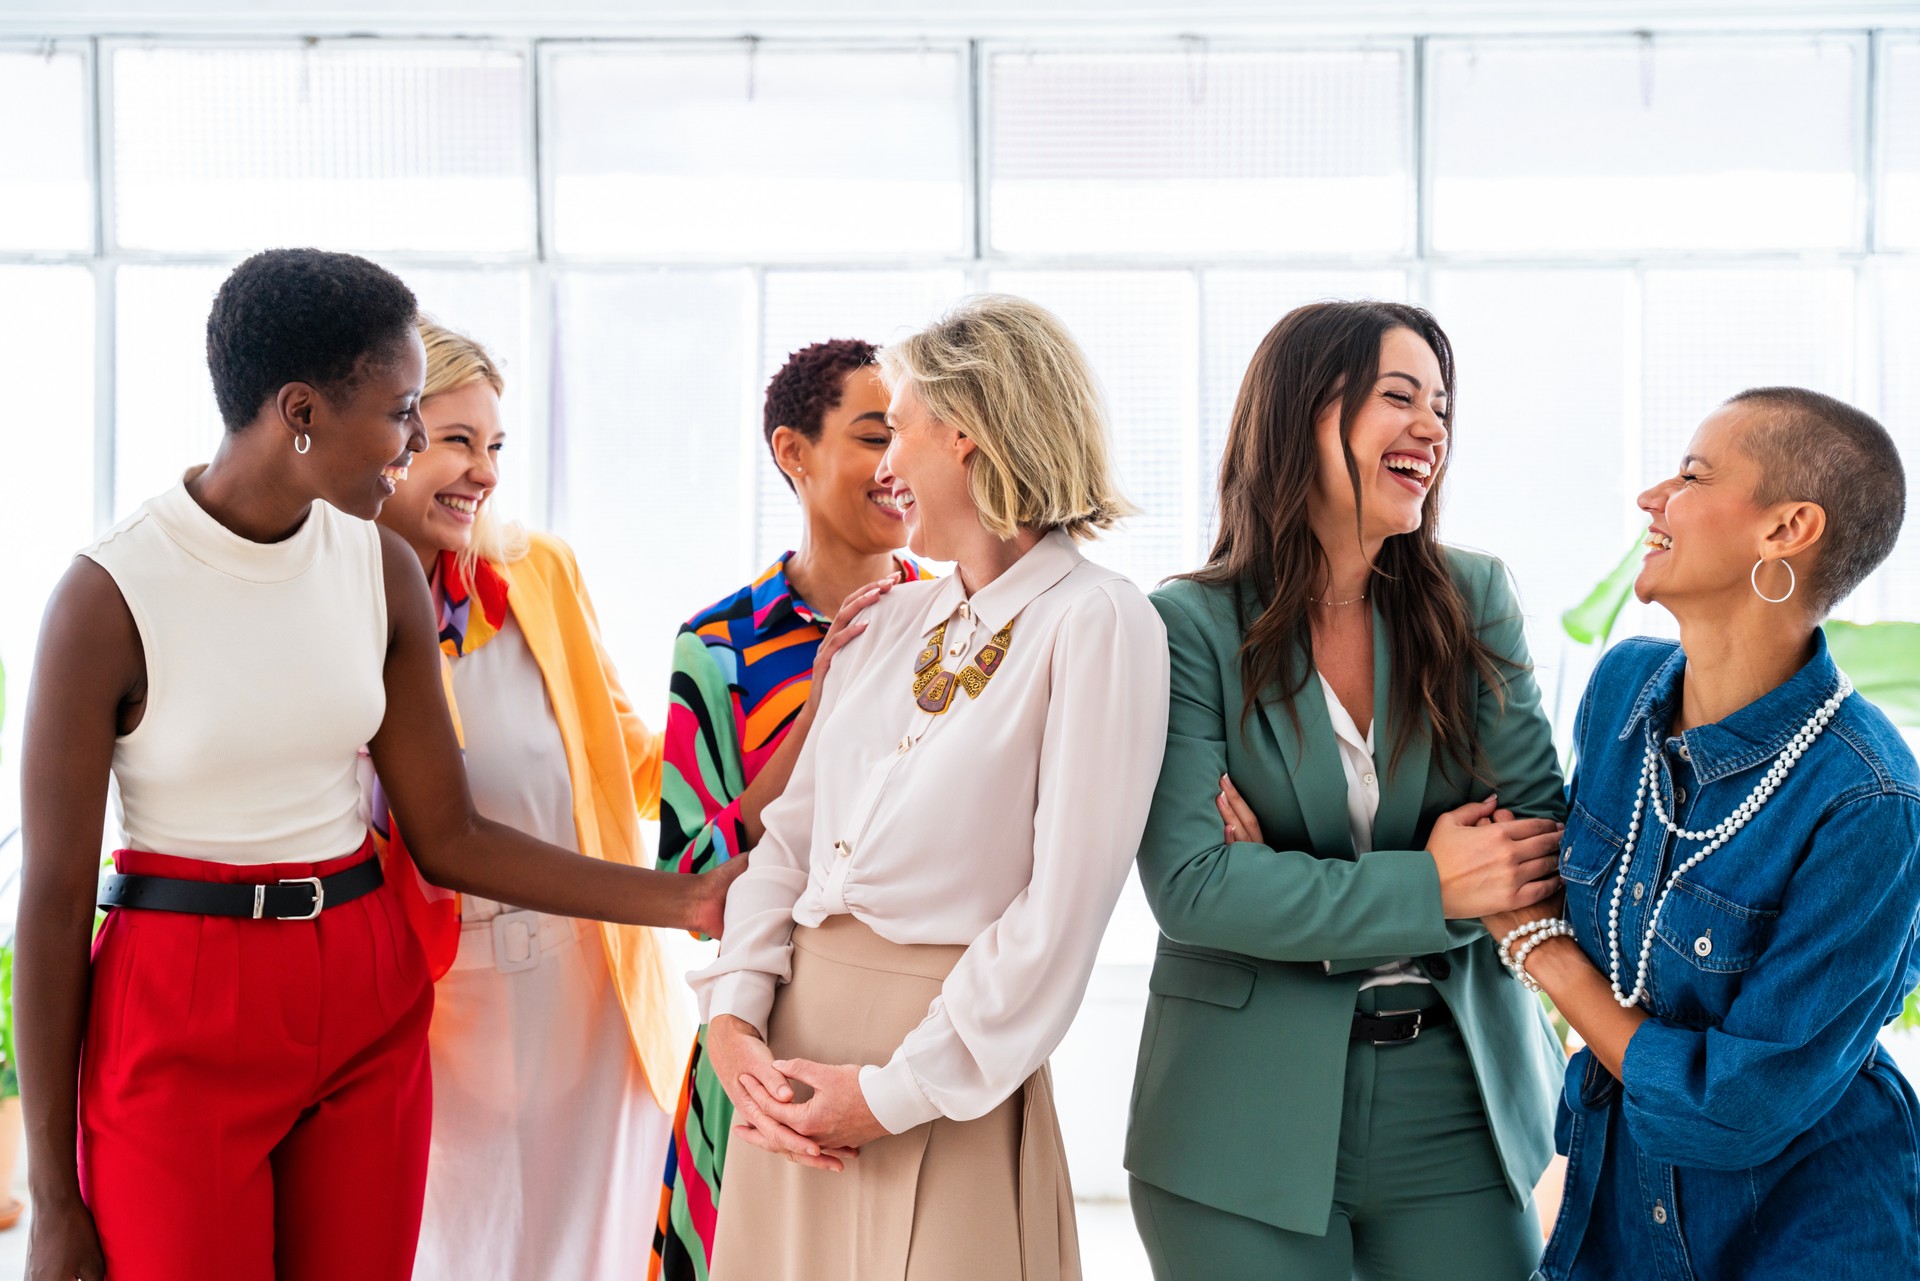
(981,1200)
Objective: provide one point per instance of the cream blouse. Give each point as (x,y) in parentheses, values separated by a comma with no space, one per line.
(1008,823)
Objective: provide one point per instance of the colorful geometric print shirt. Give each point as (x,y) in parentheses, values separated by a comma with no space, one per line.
(742,670)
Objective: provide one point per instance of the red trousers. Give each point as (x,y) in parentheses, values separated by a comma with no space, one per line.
(254,1095)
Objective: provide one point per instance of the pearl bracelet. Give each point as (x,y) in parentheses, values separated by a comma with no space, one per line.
(1557,930)
(1519,931)
(1527,929)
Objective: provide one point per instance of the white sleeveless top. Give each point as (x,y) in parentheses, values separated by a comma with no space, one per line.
(265,667)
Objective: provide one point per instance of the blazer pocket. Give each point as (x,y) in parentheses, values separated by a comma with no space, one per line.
(1215,980)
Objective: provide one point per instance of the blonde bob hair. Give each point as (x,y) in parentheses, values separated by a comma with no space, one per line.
(455,361)
(1006,374)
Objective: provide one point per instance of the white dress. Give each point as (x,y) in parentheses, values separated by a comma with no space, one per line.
(547,1142)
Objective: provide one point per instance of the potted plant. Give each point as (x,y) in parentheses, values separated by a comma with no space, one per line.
(10,1126)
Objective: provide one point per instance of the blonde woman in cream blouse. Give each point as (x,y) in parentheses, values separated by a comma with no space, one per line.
(917,926)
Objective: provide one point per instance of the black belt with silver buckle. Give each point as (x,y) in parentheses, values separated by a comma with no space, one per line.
(1396,1027)
(299,898)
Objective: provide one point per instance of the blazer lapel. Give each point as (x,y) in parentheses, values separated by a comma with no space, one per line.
(1403,786)
(1313,763)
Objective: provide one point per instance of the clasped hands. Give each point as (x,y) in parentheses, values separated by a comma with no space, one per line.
(824,1131)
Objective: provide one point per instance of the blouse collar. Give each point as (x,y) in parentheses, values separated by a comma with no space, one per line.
(1000,601)
(775,601)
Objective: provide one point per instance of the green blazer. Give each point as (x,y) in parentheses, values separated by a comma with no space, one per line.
(1237,1093)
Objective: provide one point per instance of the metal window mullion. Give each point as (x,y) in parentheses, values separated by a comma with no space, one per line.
(1420,139)
(976,153)
(1872,144)
(750,438)
(105,297)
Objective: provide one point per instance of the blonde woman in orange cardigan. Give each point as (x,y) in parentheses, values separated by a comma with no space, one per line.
(556,1044)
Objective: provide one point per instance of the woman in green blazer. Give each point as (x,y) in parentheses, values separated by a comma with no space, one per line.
(1337,1078)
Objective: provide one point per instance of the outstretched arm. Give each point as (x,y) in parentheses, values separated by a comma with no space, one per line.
(418,760)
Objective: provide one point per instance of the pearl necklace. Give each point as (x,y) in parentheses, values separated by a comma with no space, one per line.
(1715,836)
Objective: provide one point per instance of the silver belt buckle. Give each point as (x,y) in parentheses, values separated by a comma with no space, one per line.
(1419,1021)
(516,941)
(319,898)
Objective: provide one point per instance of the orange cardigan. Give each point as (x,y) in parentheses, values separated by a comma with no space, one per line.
(613,761)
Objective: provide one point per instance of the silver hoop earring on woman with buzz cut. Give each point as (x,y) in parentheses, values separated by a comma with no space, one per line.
(1753,576)
(302,442)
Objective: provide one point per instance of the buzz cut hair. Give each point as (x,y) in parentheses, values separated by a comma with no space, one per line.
(1814,448)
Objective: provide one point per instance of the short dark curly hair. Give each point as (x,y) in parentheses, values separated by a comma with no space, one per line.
(809,384)
(300,315)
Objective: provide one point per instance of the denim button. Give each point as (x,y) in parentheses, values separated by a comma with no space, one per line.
(1703,946)
(1639,891)
(1659,1212)
(1686,753)
(1679,796)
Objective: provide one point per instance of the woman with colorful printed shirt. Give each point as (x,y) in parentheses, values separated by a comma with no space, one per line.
(1742,869)
(739,707)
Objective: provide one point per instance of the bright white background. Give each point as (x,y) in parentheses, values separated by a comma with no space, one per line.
(1617,229)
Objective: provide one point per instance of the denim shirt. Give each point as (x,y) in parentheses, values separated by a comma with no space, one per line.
(1761,1131)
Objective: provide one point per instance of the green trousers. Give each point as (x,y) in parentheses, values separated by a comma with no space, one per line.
(1418,1194)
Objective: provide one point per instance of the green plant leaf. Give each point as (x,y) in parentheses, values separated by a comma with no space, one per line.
(1883,659)
(1591,621)
(9,1074)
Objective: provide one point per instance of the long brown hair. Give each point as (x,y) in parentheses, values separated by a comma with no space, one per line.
(1267,551)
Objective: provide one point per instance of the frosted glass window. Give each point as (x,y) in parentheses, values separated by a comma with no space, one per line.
(164,412)
(1237,310)
(344,145)
(1538,472)
(1899,210)
(1668,143)
(1898,592)
(803,307)
(1139,330)
(652,385)
(751,153)
(1711,333)
(46,484)
(46,167)
(492,308)
(1279,153)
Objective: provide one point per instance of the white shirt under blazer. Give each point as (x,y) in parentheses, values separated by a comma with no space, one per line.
(1007,824)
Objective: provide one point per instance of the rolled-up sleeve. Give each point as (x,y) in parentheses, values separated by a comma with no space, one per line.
(1014,992)
(1841,960)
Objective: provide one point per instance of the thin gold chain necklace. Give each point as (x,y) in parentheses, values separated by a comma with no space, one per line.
(933,684)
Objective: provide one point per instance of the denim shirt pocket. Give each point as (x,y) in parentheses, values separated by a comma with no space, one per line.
(1707,942)
(1589,851)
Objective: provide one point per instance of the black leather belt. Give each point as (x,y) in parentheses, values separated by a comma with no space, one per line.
(1395,1027)
(299,898)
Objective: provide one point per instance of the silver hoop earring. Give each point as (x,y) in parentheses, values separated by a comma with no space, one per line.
(302,442)
(1753,576)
